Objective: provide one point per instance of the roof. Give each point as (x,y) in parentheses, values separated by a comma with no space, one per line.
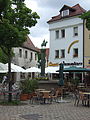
(28,44)
(74,11)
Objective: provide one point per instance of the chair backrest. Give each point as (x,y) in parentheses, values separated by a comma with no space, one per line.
(76,94)
(57,93)
(46,95)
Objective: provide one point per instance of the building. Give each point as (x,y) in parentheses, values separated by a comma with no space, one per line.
(69,38)
(25,56)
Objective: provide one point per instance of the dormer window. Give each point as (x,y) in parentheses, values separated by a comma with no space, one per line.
(65,13)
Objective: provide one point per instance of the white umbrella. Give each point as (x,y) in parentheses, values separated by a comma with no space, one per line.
(16,68)
(51,69)
(33,69)
(3,68)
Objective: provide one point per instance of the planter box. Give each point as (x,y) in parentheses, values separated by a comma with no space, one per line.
(24,97)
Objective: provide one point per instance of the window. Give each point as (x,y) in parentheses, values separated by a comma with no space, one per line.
(88,61)
(75,52)
(75,30)
(31,56)
(57,34)
(56,53)
(22,75)
(65,13)
(25,54)
(35,56)
(20,52)
(62,33)
(62,53)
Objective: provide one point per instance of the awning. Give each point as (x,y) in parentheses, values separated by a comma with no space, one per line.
(75,69)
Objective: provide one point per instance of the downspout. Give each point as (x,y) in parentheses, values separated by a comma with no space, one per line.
(83,41)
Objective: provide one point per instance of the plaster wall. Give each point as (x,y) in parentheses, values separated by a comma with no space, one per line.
(64,43)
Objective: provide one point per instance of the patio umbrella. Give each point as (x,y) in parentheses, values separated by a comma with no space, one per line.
(76,69)
(16,68)
(32,69)
(3,68)
(51,69)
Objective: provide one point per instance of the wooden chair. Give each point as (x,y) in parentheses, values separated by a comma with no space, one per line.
(36,97)
(47,97)
(79,97)
(55,97)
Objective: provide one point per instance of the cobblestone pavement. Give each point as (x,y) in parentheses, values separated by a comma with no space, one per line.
(54,111)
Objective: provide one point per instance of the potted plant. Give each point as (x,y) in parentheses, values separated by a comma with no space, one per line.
(75,81)
(28,86)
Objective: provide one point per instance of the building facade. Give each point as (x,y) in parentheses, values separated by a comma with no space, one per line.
(69,38)
(25,56)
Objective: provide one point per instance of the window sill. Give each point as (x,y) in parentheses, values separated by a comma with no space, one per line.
(75,57)
(62,57)
(56,58)
(75,35)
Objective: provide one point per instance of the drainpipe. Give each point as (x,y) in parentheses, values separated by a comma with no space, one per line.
(83,47)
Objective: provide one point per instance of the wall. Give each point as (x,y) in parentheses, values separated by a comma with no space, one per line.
(86,47)
(57,44)
(22,61)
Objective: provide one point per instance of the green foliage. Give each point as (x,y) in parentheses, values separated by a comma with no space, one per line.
(15,23)
(3,5)
(75,81)
(86,16)
(4,57)
(14,102)
(28,86)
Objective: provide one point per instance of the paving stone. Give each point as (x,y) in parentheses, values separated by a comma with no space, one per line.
(54,111)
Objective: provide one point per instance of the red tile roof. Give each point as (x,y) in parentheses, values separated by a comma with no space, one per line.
(74,11)
(29,45)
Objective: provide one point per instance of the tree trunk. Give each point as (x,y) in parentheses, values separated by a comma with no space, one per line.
(9,76)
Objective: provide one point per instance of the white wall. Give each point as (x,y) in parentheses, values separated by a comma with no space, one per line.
(22,61)
(63,43)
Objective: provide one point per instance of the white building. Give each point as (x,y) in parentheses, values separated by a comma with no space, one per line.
(69,38)
(25,56)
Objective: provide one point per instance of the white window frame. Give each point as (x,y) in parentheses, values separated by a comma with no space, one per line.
(26,54)
(75,55)
(75,31)
(20,53)
(65,13)
(62,35)
(62,56)
(56,53)
(57,34)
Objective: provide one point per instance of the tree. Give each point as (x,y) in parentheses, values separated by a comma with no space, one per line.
(86,16)
(14,27)
(4,57)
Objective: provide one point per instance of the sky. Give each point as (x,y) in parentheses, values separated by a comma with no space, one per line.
(47,9)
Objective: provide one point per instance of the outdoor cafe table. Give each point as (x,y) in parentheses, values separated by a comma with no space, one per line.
(40,89)
(44,93)
(88,96)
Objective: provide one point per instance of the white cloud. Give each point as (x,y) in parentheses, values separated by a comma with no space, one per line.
(46,9)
